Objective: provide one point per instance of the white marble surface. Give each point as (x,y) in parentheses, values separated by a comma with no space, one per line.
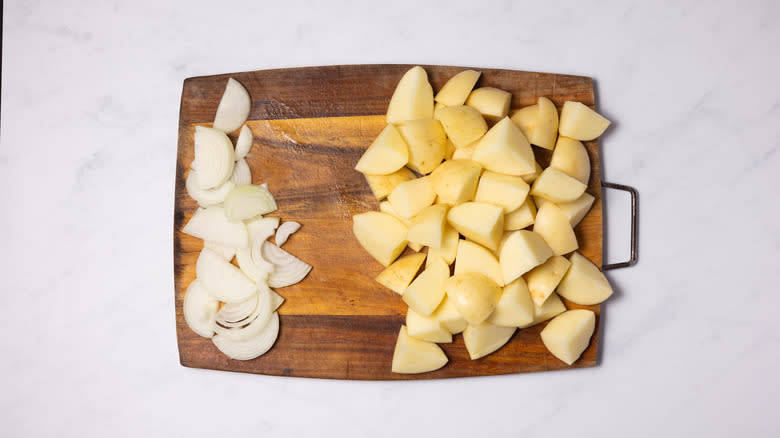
(90,100)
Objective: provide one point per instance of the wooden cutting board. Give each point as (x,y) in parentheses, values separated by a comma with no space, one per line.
(310,127)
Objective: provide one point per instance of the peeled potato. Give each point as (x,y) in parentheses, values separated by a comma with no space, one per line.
(449,316)
(427,143)
(455,181)
(400,274)
(505,190)
(478,221)
(458,88)
(380,234)
(557,186)
(504,149)
(411,197)
(571,158)
(552,307)
(387,154)
(521,217)
(448,249)
(568,334)
(413,356)
(555,229)
(520,252)
(514,308)
(580,122)
(543,279)
(485,338)
(387,207)
(472,257)
(493,103)
(546,127)
(412,98)
(427,290)
(427,227)
(382,185)
(463,124)
(584,283)
(426,328)
(474,295)
(525,119)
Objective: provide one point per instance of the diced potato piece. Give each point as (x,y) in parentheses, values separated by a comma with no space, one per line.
(480,222)
(448,249)
(412,356)
(531,177)
(427,143)
(475,295)
(485,338)
(475,258)
(426,328)
(457,89)
(412,98)
(400,274)
(543,279)
(521,217)
(437,106)
(556,186)
(555,229)
(584,283)
(455,181)
(465,153)
(525,119)
(382,185)
(427,290)
(449,316)
(410,197)
(577,209)
(427,227)
(520,252)
(382,235)
(553,306)
(463,124)
(571,158)
(504,149)
(569,333)
(493,103)
(506,191)
(386,207)
(546,128)
(515,307)
(387,154)
(580,122)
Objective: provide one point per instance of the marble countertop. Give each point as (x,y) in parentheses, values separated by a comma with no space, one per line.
(90,101)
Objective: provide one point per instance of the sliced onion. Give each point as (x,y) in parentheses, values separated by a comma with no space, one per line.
(238,314)
(224,281)
(246,201)
(244,142)
(288,269)
(225,251)
(261,228)
(255,323)
(242,174)
(251,348)
(214,157)
(211,223)
(284,231)
(257,255)
(207,196)
(277,300)
(233,108)
(251,269)
(200,309)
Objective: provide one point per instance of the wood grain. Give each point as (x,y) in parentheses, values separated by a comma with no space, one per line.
(310,126)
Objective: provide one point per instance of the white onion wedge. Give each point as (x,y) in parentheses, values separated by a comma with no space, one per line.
(211,223)
(261,228)
(242,174)
(225,251)
(214,157)
(200,309)
(255,323)
(277,300)
(257,256)
(244,142)
(238,314)
(251,348)
(224,281)
(207,196)
(285,230)
(233,108)
(288,269)
(246,201)
(251,269)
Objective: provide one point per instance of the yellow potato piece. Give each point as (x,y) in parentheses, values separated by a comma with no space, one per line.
(412,356)
(546,128)
(427,290)
(449,316)
(492,102)
(569,333)
(427,227)
(400,274)
(506,191)
(455,181)
(472,257)
(504,149)
(552,307)
(382,185)
(412,98)
(386,207)
(463,124)
(457,89)
(580,122)
(514,308)
(555,229)
(521,251)
(485,338)
(543,279)
(427,143)
(411,197)
(525,119)
(571,158)
(584,283)
(478,221)
(521,217)
(382,235)
(475,295)
(557,186)
(448,249)
(387,154)
(426,328)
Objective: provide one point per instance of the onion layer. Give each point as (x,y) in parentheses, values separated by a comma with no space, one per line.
(255,323)
(224,281)
(288,269)
(285,230)
(244,142)
(246,201)
(242,174)
(214,157)
(200,309)
(233,108)
(211,223)
(250,348)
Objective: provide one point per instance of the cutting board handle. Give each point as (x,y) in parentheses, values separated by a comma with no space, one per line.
(632,191)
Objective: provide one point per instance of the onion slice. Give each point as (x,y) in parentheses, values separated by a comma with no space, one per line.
(224,281)
(255,323)
(244,142)
(233,108)
(207,196)
(211,223)
(288,269)
(200,309)
(246,201)
(225,251)
(285,230)
(239,314)
(251,348)
(242,174)
(277,300)
(251,269)
(261,228)
(214,157)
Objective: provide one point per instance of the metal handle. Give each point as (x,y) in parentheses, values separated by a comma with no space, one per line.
(632,260)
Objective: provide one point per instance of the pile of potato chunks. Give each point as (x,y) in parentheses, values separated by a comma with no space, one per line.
(461,178)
